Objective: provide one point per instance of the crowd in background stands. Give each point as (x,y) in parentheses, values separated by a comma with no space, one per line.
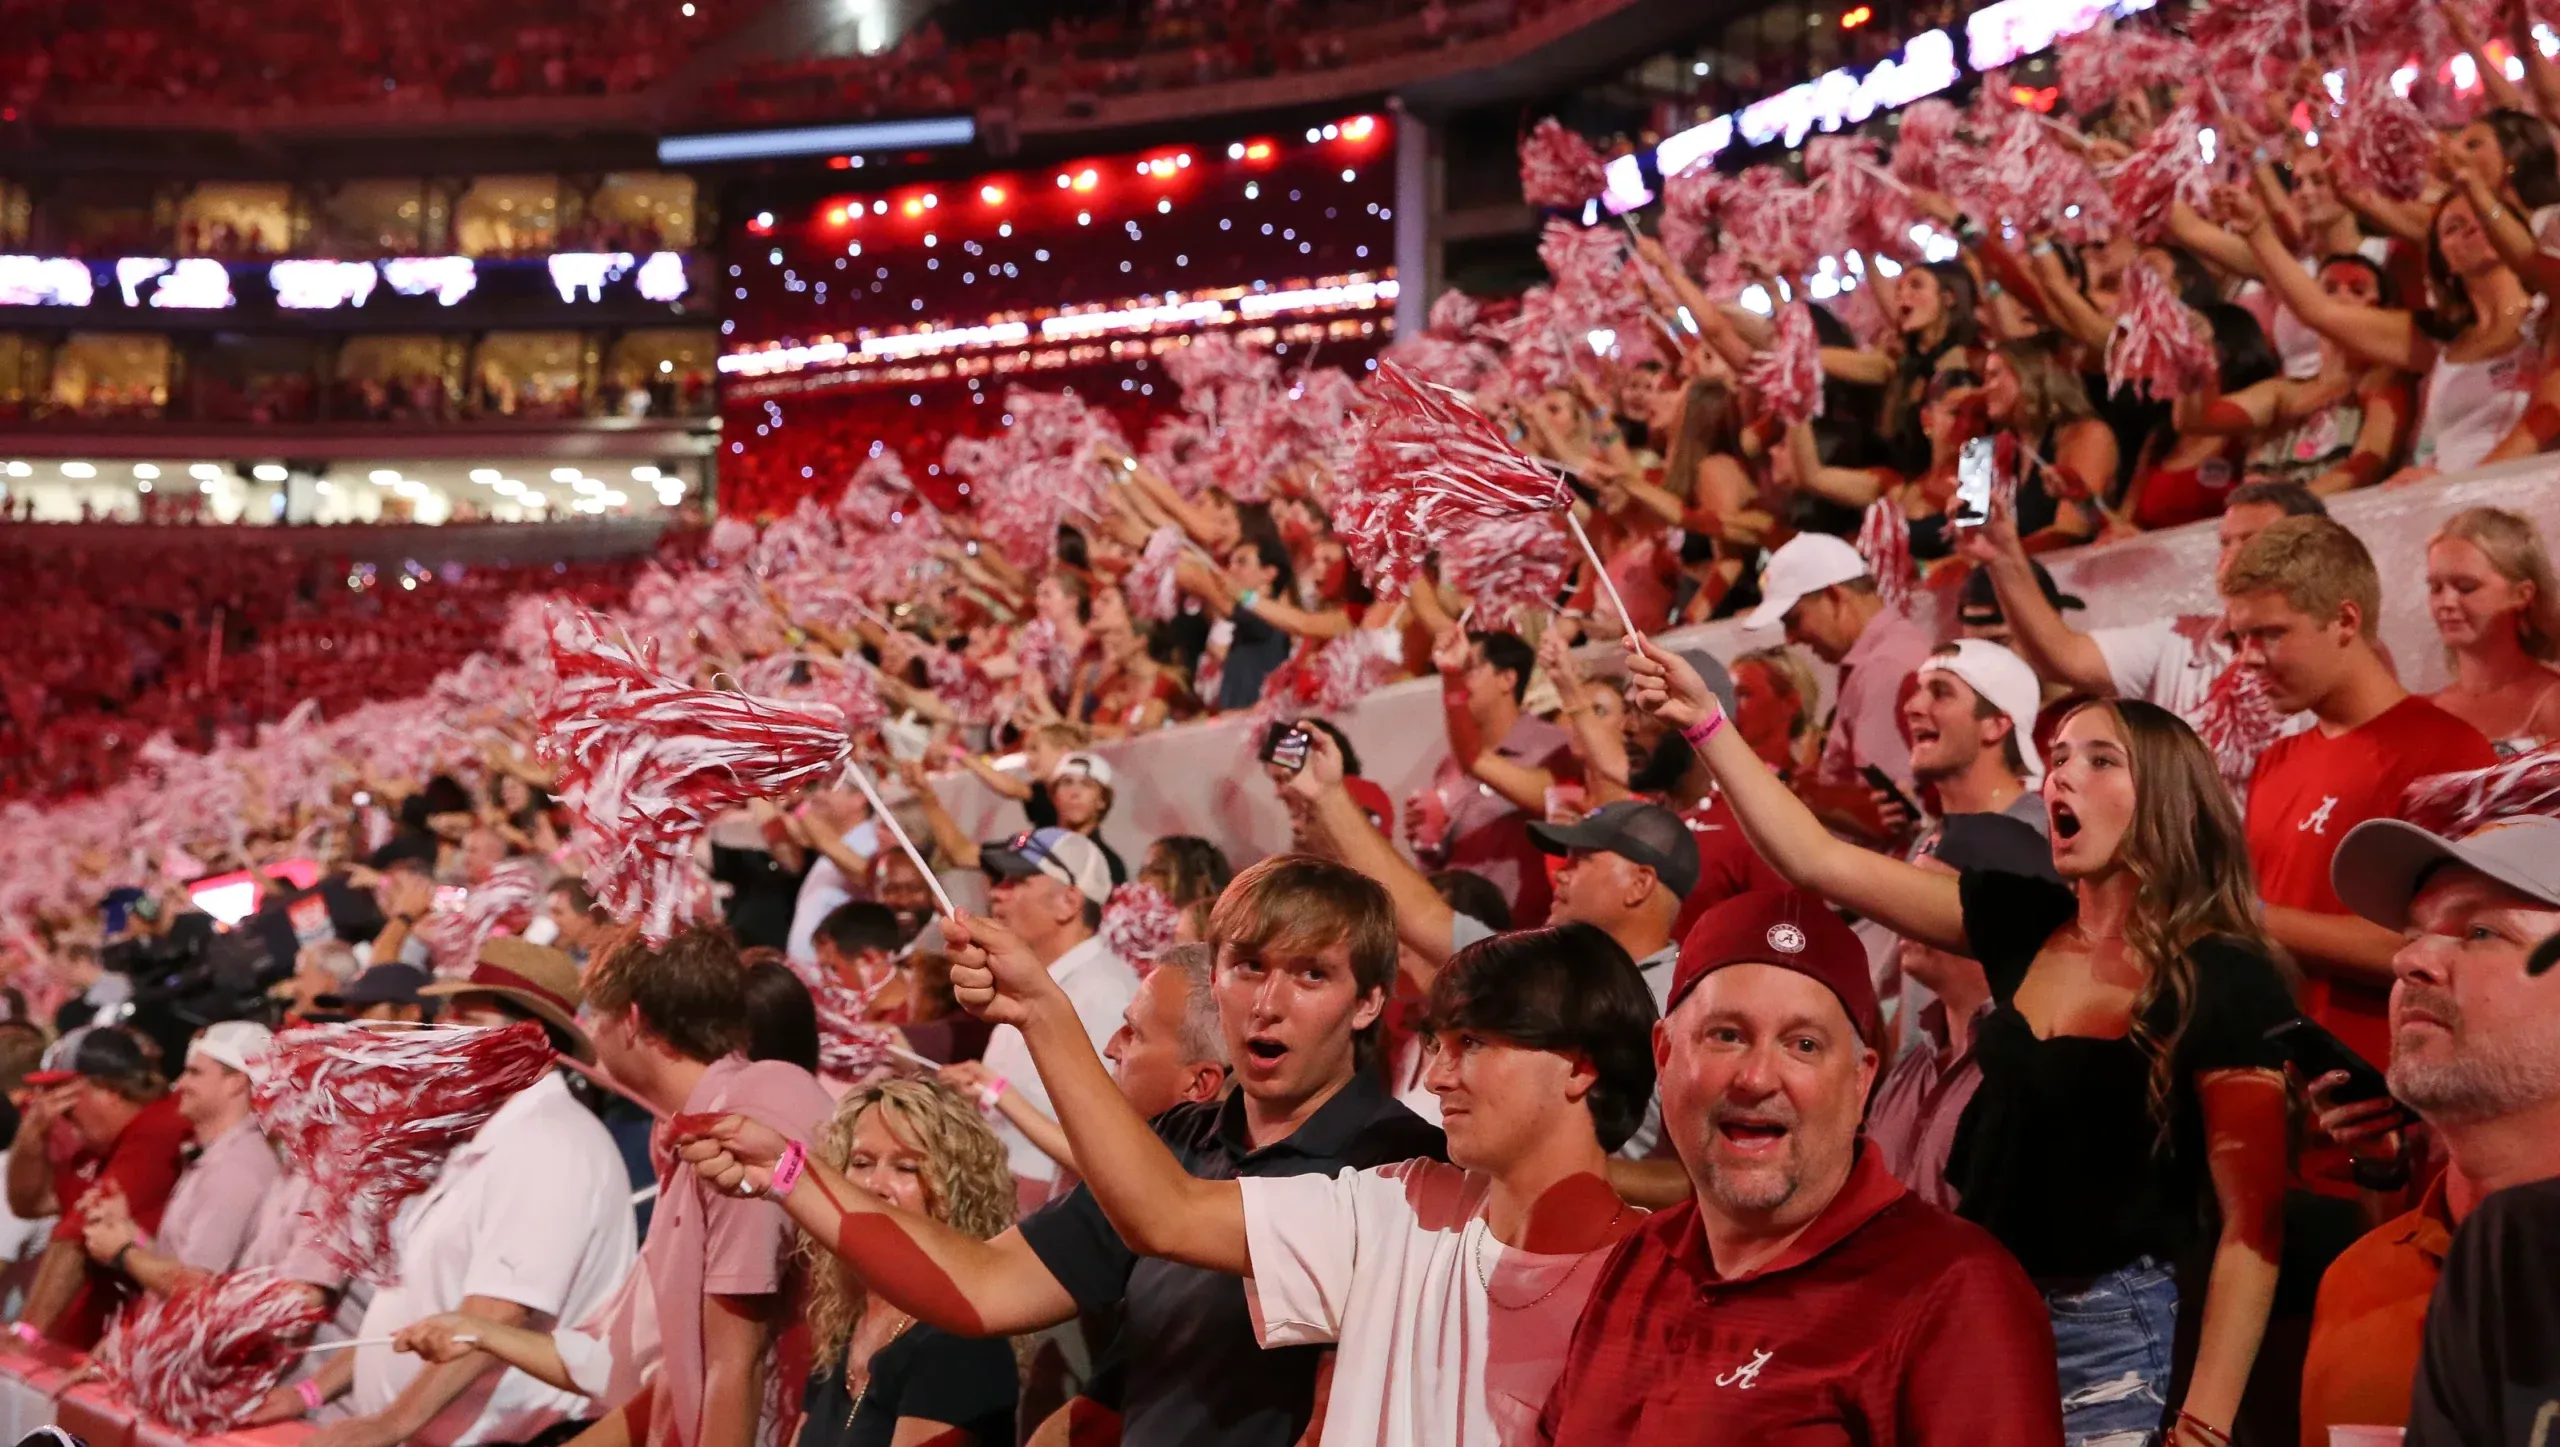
(220,53)
(122,634)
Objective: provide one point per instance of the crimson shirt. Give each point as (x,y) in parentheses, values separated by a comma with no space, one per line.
(1888,1322)
(2308,791)
(143,1161)
(1727,864)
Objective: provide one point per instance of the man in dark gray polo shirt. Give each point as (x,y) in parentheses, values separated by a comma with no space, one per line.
(1306,952)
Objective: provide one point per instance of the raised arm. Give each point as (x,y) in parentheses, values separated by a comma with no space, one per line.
(957,849)
(1159,1208)
(1907,900)
(1602,746)
(2378,440)
(1847,486)
(2390,337)
(922,1267)
(2054,648)
(1422,917)
(2245,1133)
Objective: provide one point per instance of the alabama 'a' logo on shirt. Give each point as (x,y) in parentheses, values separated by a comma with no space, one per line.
(2317,821)
(1747,1375)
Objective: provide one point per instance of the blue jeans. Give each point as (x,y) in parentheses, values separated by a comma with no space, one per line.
(2112,1339)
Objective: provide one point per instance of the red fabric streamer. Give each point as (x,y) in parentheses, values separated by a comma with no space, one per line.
(369,1114)
(1768,219)
(646,763)
(202,1358)
(2168,167)
(1138,923)
(1884,540)
(1558,168)
(2159,344)
(1788,376)
(2380,141)
(1508,565)
(1861,208)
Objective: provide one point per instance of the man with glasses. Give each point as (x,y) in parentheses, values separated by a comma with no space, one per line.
(1050,885)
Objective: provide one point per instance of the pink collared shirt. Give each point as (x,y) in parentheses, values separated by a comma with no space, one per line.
(1866,714)
(213,1211)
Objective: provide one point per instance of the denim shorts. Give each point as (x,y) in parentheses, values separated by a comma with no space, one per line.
(2112,1340)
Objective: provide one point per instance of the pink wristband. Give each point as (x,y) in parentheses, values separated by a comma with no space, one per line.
(1704,729)
(312,1401)
(991,1094)
(786,1171)
(25,1333)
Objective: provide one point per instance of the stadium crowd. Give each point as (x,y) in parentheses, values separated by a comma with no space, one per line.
(2110,1036)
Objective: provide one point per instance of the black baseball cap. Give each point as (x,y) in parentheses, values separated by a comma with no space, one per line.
(95,1052)
(392,984)
(2002,842)
(1631,829)
(1980,605)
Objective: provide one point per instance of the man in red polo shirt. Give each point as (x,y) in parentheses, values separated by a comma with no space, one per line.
(102,1119)
(2302,601)
(1803,1293)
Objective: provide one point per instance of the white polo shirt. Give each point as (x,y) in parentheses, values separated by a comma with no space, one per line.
(1101,984)
(534,1209)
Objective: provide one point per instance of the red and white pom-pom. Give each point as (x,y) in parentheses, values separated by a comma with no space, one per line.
(2249,44)
(2457,804)
(1922,142)
(369,1114)
(1768,219)
(1138,922)
(1355,665)
(1884,540)
(1558,168)
(1427,464)
(202,1358)
(502,902)
(1149,584)
(1689,205)
(1509,565)
(1456,315)
(1538,350)
(961,685)
(1042,657)
(851,1045)
(646,763)
(2167,168)
(2380,142)
(1861,207)
(2235,720)
(731,537)
(2101,64)
(877,495)
(1788,376)
(2159,344)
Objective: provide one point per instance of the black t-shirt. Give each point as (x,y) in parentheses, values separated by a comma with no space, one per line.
(2059,1154)
(762,895)
(2489,1374)
(927,1373)
(1040,809)
(1252,654)
(1192,1369)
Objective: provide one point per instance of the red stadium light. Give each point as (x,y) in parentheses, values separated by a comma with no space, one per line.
(837,216)
(1087,179)
(839,163)
(1359,128)
(991,194)
(1852,19)
(2039,101)
(1257,150)
(912,208)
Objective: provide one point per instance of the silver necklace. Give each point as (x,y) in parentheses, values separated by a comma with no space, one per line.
(1476,1254)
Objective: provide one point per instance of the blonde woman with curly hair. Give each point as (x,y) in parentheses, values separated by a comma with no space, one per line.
(878,1377)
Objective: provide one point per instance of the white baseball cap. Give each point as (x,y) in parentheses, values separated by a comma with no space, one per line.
(1083,766)
(1061,854)
(1807,563)
(240,1044)
(2005,680)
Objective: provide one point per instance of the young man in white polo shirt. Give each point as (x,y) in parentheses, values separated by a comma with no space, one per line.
(1450,1291)
(1049,891)
(529,1224)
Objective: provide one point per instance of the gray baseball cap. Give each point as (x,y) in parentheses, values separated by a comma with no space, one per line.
(2382,863)
(1633,829)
